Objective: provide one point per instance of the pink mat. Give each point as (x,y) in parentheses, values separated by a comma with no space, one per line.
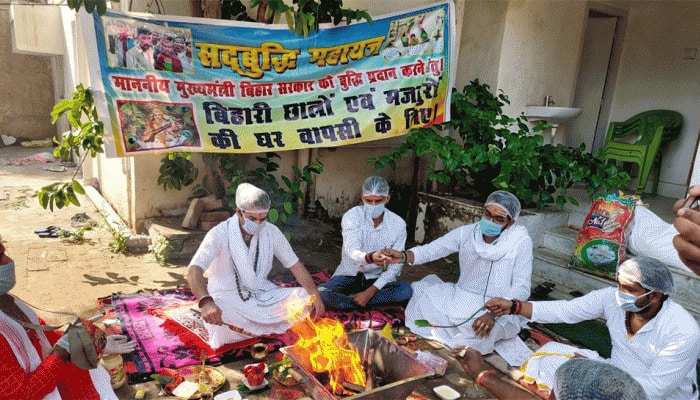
(154,320)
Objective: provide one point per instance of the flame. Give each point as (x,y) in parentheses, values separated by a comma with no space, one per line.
(325,344)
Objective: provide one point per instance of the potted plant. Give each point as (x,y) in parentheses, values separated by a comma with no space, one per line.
(495,151)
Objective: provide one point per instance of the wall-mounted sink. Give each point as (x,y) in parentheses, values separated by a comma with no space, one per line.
(551,114)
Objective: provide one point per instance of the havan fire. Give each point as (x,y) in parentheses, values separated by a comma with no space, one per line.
(358,365)
(325,345)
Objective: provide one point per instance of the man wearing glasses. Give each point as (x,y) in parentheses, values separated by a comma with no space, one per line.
(495,260)
(238,302)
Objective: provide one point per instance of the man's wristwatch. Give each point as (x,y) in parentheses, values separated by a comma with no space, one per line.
(203,300)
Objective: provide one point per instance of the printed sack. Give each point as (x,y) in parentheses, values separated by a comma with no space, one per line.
(601,242)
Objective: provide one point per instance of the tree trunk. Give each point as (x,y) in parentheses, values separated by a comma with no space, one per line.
(211,8)
(196,8)
(262,10)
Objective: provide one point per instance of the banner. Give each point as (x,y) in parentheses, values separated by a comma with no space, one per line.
(201,85)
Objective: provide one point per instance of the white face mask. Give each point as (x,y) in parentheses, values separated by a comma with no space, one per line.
(374,210)
(7,277)
(628,302)
(251,227)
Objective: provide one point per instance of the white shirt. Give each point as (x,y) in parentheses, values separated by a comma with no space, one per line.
(509,276)
(361,237)
(661,356)
(214,254)
(499,269)
(261,310)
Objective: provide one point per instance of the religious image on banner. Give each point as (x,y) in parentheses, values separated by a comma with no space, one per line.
(157,125)
(165,83)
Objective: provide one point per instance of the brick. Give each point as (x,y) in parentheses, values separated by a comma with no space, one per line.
(206,226)
(214,216)
(193,212)
(212,203)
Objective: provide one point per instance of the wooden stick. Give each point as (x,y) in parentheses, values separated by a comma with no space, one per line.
(353,387)
(231,327)
(369,371)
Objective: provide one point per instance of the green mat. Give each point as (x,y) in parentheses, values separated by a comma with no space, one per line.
(592,335)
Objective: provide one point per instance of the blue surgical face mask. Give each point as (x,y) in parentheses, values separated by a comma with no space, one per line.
(250,226)
(489,228)
(628,302)
(7,277)
(374,210)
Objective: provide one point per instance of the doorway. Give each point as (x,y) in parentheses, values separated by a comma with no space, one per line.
(595,86)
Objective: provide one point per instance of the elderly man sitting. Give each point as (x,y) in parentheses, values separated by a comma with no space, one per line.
(654,339)
(238,255)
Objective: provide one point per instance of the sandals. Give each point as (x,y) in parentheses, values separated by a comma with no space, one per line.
(48,232)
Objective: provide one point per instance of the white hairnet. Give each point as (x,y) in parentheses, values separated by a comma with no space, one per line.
(583,378)
(649,272)
(252,199)
(506,201)
(375,186)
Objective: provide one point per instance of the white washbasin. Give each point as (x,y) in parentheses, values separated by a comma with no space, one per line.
(552,114)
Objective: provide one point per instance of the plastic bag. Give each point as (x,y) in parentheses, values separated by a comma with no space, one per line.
(602,241)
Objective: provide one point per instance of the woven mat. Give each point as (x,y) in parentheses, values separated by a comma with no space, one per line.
(170,335)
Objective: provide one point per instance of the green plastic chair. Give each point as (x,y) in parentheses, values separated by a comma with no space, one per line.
(641,140)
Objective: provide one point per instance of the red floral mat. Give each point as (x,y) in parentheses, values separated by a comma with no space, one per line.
(169,335)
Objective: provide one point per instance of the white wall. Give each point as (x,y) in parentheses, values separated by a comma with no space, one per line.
(654,75)
(590,85)
(540,53)
(481,42)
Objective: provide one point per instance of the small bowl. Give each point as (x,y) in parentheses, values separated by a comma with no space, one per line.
(446,393)
(260,386)
(258,351)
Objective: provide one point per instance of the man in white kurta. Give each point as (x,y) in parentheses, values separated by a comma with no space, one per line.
(238,302)
(491,263)
(657,341)
(365,278)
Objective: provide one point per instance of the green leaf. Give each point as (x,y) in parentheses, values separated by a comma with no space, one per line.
(102,6)
(77,187)
(162,379)
(71,197)
(273,215)
(422,323)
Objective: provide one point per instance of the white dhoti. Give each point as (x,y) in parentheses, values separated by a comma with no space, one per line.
(264,313)
(238,271)
(444,304)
